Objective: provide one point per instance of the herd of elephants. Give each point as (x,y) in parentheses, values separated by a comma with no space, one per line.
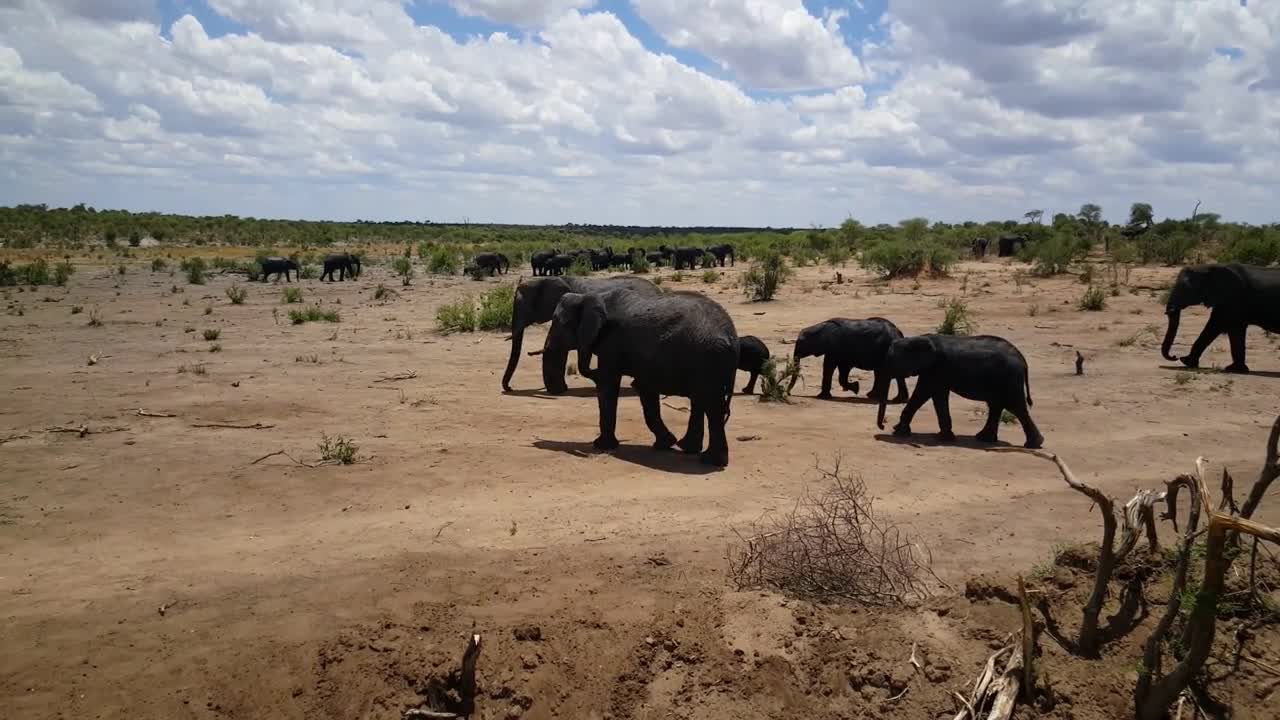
(684,343)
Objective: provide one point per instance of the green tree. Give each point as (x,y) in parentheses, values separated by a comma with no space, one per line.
(1141,214)
(1091,217)
(1033,216)
(915,228)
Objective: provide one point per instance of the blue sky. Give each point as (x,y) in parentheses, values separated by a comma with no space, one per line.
(763,112)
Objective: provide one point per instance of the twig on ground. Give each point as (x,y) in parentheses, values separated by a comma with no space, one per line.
(233,426)
(282,452)
(144,413)
(396,378)
(443,527)
(85,430)
(914,662)
(11,438)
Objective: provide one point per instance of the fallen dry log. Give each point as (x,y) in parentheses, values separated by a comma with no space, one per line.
(233,426)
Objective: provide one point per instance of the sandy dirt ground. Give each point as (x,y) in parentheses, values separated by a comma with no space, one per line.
(298,592)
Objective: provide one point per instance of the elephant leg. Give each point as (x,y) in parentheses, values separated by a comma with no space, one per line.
(750,389)
(1019,408)
(692,440)
(879,385)
(663,438)
(921,393)
(902,390)
(844,379)
(990,431)
(942,406)
(1212,330)
(717,453)
(1236,334)
(828,369)
(607,398)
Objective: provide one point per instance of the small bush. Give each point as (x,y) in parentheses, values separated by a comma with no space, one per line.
(292,295)
(496,308)
(1051,256)
(62,273)
(677,276)
(216,347)
(37,273)
(658,281)
(764,278)
(337,449)
(208,309)
(1086,275)
(403,267)
(640,264)
(803,256)
(710,276)
(237,294)
(1008,418)
(775,383)
(581,267)
(837,255)
(211,334)
(1252,250)
(459,316)
(1033,310)
(313,314)
(958,320)
(158,265)
(95,320)
(314,359)
(76,309)
(194,369)
(443,262)
(195,269)
(122,270)
(1094,299)
(1183,377)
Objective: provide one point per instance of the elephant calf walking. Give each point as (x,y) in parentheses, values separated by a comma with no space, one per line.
(752,354)
(845,344)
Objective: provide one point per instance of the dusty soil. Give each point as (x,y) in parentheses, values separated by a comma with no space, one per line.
(340,591)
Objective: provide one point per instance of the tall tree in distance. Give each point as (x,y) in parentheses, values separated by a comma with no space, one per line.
(1033,216)
(1141,214)
(1091,215)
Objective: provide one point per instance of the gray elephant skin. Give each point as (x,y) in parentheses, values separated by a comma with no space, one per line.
(278,266)
(1239,296)
(844,344)
(752,354)
(986,368)
(535,302)
(347,265)
(676,343)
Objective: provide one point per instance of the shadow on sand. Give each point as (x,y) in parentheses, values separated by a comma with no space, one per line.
(665,460)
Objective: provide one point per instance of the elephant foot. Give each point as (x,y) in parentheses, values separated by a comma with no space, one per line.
(688,446)
(557,390)
(946,436)
(749,390)
(715,458)
(664,442)
(1240,368)
(902,397)
(1034,443)
(985,437)
(902,430)
(851,387)
(824,395)
(1190,361)
(605,443)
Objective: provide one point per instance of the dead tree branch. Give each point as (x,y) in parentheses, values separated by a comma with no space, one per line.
(396,378)
(233,426)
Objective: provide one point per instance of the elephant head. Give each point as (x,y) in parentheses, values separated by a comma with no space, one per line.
(577,322)
(1210,285)
(905,358)
(813,340)
(535,302)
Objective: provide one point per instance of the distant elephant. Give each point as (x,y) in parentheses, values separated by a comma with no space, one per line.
(979,247)
(535,302)
(600,259)
(1011,244)
(687,257)
(558,264)
(752,354)
(619,260)
(539,260)
(655,258)
(1239,295)
(278,266)
(721,252)
(346,264)
(677,343)
(492,262)
(986,368)
(846,344)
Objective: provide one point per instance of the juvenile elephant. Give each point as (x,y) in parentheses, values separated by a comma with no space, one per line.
(981,367)
(687,257)
(846,344)
(979,247)
(535,302)
(676,343)
(278,266)
(558,264)
(539,261)
(721,252)
(347,265)
(1239,295)
(492,262)
(752,354)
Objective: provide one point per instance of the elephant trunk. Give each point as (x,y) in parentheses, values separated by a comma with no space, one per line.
(884,402)
(554,359)
(795,356)
(1169,334)
(517,337)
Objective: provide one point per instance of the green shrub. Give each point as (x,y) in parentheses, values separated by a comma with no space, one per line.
(382,292)
(308,271)
(337,449)
(457,316)
(775,383)
(710,276)
(237,294)
(764,278)
(37,273)
(837,255)
(677,276)
(900,258)
(216,347)
(313,313)
(158,264)
(443,261)
(640,264)
(62,273)
(1093,299)
(292,295)
(1253,249)
(403,267)
(496,308)
(211,334)
(581,267)
(8,274)
(76,309)
(803,256)
(958,320)
(195,269)
(1051,256)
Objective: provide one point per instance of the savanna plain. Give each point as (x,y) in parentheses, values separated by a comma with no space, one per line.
(173,546)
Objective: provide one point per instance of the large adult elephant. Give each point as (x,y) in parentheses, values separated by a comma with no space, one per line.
(279,266)
(845,344)
(535,302)
(986,368)
(1239,296)
(492,262)
(347,265)
(539,259)
(722,251)
(678,343)
(687,257)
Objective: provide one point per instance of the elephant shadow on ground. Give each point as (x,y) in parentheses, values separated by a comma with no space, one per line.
(643,455)
(928,439)
(855,400)
(1218,371)
(573,392)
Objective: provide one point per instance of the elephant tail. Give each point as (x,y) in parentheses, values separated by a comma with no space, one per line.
(1026,378)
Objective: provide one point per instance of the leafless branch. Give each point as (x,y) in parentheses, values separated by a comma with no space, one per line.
(233,426)
(396,378)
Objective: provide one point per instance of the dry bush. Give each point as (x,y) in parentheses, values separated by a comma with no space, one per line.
(831,546)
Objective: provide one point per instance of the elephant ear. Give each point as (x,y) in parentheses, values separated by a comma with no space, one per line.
(591,319)
(1223,287)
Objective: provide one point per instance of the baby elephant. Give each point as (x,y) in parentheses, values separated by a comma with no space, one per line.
(752,353)
(983,367)
(846,344)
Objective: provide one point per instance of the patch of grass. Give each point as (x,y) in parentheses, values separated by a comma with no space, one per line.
(308,271)
(382,292)
(313,313)
(95,320)
(581,267)
(764,278)
(195,268)
(571,370)
(211,334)
(194,369)
(337,449)
(658,280)
(443,262)
(314,359)
(457,316)
(62,273)
(237,294)
(1007,418)
(640,264)
(208,309)
(403,267)
(122,270)
(158,265)
(710,276)
(216,347)
(496,308)
(1183,378)
(1033,310)
(958,319)
(677,276)
(1094,299)
(774,382)
(76,309)
(292,295)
